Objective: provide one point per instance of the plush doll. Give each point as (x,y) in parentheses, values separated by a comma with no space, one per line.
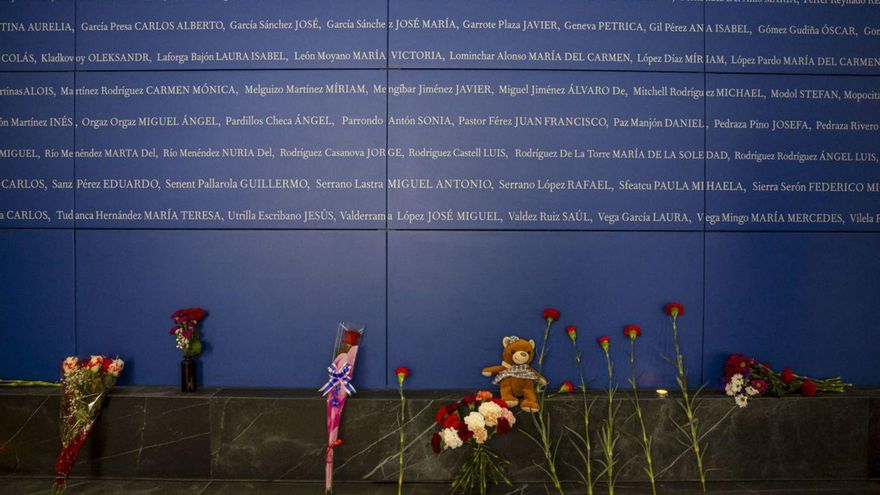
(515,375)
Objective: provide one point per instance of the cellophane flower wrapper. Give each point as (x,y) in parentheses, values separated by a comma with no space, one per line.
(338,388)
(84,388)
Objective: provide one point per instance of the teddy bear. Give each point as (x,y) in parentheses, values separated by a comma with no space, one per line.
(515,375)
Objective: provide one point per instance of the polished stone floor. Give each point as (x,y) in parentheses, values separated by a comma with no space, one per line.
(39,486)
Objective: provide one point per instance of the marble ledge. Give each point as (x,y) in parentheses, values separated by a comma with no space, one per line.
(379,394)
(280,434)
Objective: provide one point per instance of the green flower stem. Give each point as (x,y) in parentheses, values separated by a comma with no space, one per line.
(483,466)
(608,438)
(587,408)
(27,383)
(647,441)
(541,419)
(402,420)
(687,402)
(834,384)
(544,344)
(546,441)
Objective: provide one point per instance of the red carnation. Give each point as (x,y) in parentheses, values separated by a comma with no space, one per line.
(674,309)
(503,426)
(464,433)
(441,415)
(469,399)
(604,342)
(572,332)
(551,315)
(451,421)
(435,443)
(808,388)
(105,364)
(787,375)
(196,314)
(500,402)
(401,372)
(189,314)
(632,331)
(566,388)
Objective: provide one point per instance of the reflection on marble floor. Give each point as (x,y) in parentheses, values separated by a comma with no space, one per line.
(40,486)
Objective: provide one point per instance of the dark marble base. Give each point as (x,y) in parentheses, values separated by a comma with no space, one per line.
(144,487)
(280,435)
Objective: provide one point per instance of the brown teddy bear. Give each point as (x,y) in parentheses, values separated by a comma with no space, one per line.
(516,377)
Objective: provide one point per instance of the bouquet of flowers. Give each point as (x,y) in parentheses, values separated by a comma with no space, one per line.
(338,388)
(186,330)
(474,420)
(83,390)
(745,377)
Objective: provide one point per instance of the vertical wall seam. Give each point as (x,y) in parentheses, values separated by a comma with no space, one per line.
(75,300)
(705,203)
(387,115)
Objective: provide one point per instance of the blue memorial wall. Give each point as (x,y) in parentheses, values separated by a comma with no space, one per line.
(439,172)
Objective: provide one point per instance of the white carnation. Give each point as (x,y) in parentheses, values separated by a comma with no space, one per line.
(450,438)
(475,421)
(491,412)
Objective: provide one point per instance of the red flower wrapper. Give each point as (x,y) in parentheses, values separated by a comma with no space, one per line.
(338,388)
(83,389)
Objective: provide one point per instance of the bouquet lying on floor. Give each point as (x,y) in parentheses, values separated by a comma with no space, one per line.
(84,387)
(745,377)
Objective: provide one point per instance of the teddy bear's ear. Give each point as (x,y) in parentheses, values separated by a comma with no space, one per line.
(505,341)
(531,341)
